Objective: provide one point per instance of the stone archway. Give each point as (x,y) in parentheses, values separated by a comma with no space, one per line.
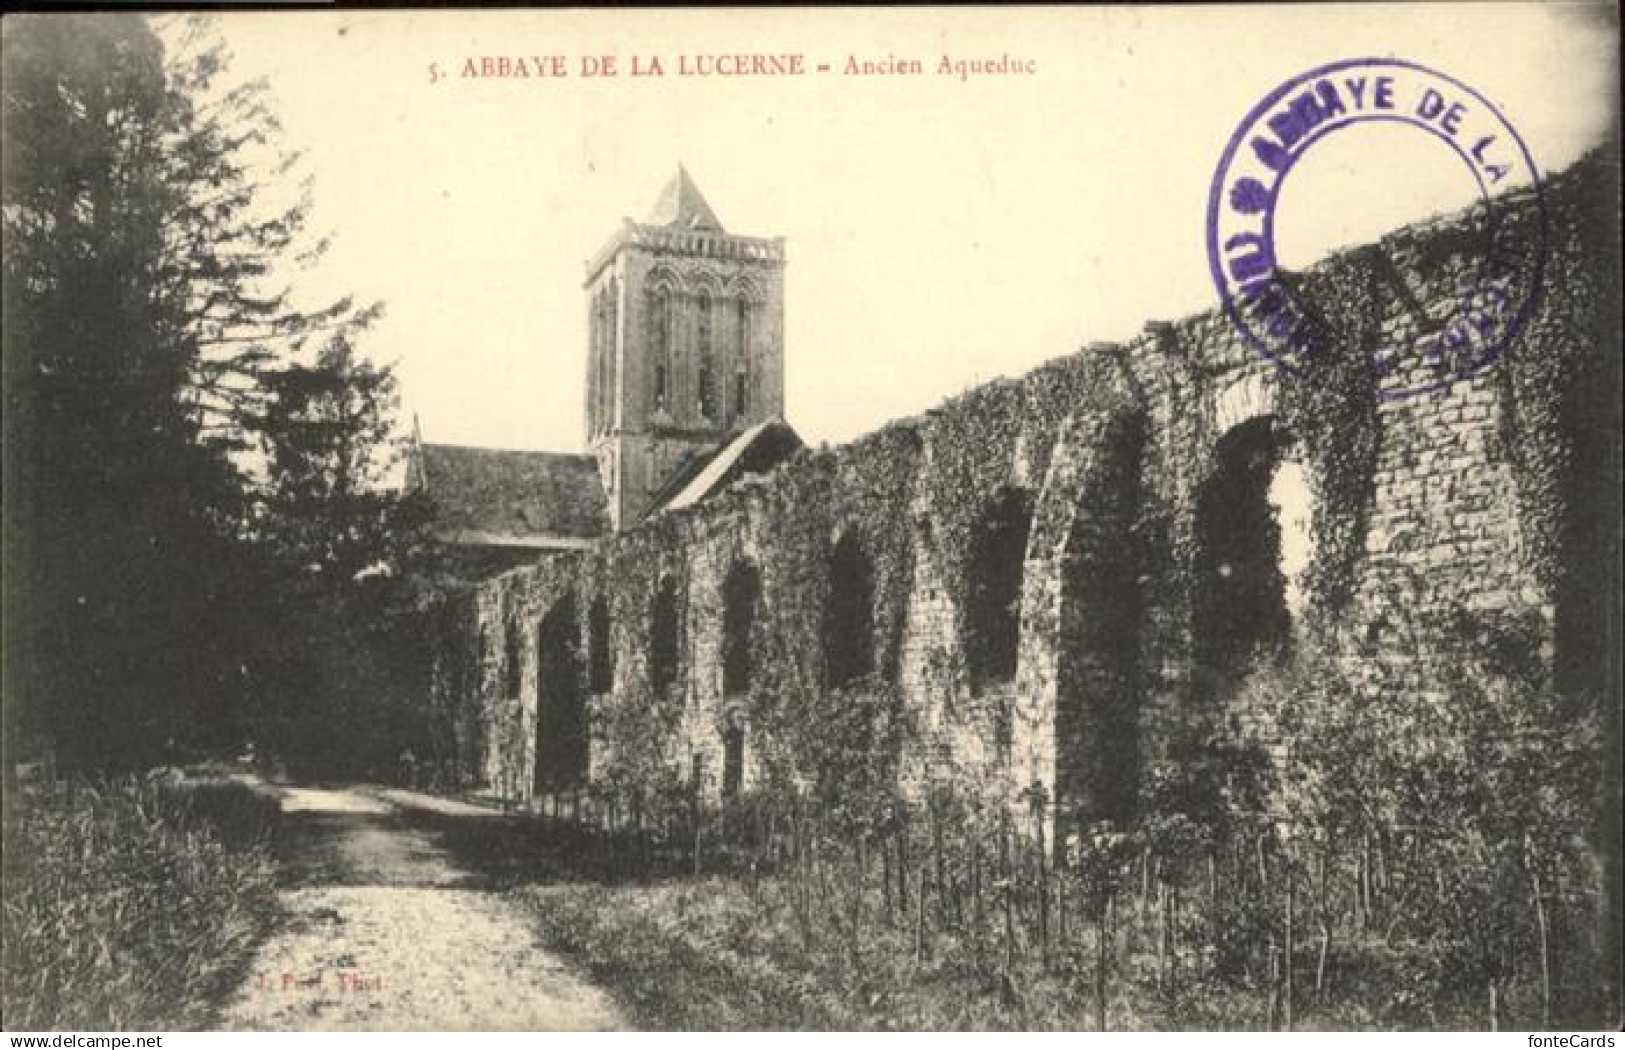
(664,624)
(741,594)
(849,643)
(561,716)
(1099,628)
(1250,396)
(995,571)
(1252,542)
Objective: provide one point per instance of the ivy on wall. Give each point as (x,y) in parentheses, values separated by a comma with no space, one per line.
(918,488)
(974,440)
(1000,437)
(1332,411)
(1555,389)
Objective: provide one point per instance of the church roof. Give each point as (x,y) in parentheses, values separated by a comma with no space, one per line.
(504,498)
(681,204)
(756,450)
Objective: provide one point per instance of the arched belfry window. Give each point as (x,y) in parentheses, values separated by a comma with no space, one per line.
(660,345)
(706,369)
(993,598)
(741,384)
(595,363)
(612,307)
(600,359)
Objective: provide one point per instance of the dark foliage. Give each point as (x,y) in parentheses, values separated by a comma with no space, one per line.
(165,596)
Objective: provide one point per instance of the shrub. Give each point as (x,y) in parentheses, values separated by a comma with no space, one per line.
(240,813)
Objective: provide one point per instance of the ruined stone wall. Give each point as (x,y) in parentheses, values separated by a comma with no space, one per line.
(1424,507)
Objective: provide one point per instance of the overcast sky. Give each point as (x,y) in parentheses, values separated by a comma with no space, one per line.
(940,232)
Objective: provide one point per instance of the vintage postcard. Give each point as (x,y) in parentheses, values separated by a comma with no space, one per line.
(1021,518)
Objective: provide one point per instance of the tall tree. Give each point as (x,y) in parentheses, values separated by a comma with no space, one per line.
(330,509)
(109,479)
(343,661)
(145,305)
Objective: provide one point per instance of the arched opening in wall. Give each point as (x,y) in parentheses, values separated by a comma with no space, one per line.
(993,575)
(1252,543)
(600,655)
(1099,637)
(849,618)
(663,625)
(740,592)
(513,661)
(733,757)
(561,715)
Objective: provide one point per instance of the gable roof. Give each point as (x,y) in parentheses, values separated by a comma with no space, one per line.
(754,451)
(507,498)
(681,204)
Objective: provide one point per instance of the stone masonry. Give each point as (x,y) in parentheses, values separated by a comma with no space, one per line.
(1108,449)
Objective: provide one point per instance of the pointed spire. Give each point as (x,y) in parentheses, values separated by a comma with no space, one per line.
(682,205)
(417,479)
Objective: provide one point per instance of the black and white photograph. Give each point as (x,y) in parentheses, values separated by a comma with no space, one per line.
(923,519)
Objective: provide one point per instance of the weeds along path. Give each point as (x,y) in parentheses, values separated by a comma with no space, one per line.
(390,933)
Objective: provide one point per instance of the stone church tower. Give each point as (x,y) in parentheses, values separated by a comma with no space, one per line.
(685,346)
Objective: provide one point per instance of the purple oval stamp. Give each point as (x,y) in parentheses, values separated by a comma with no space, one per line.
(1451,337)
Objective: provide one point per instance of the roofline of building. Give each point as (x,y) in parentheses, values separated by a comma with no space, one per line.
(508,451)
(539,541)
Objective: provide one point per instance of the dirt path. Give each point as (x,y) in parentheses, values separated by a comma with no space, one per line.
(390,933)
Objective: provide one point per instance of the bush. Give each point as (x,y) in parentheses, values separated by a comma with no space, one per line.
(124,909)
(242,814)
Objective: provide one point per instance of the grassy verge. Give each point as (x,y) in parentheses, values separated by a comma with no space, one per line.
(833,945)
(713,953)
(716,954)
(124,906)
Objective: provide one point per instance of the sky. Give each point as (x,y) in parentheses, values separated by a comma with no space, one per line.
(940,231)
